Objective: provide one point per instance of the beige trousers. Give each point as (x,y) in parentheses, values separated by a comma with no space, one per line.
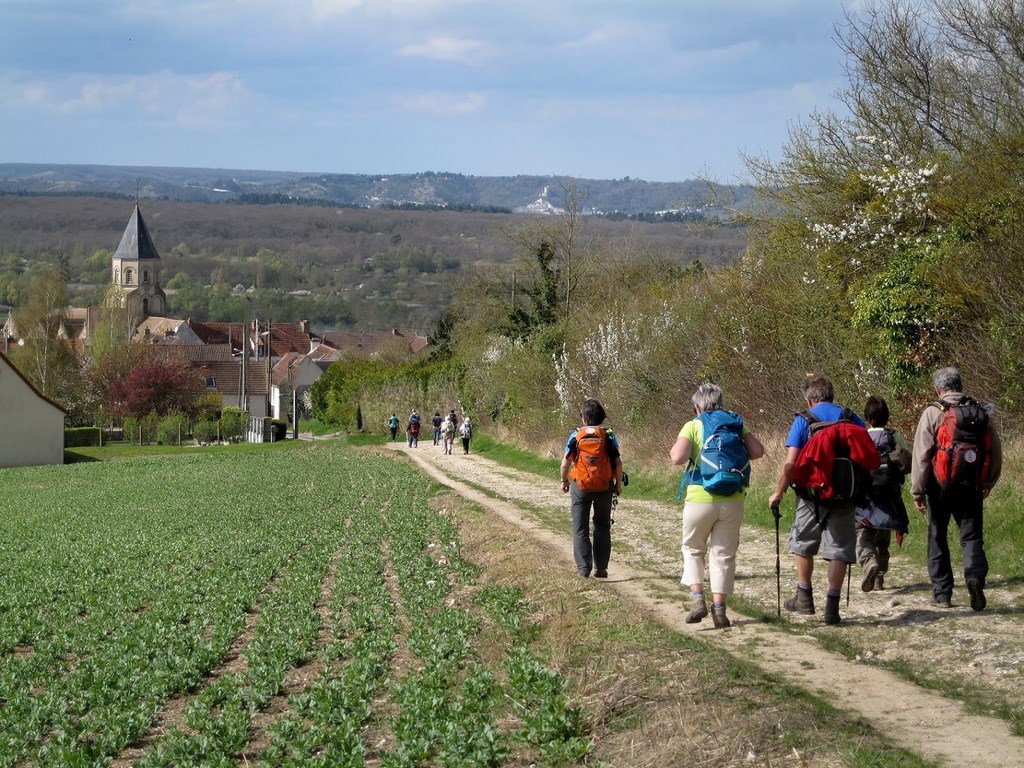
(714,526)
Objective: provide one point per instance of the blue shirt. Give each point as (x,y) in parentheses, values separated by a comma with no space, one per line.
(800,432)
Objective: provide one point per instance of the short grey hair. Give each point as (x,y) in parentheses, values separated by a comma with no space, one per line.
(708,397)
(948,380)
(816,388)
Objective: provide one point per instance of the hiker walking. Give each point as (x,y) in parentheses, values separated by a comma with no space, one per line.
(466,433)
(957,459)
(592,474)
(817,527)
(447,435)
(716,448)
(393,426)
(884,512)
(437,421)
(412,429)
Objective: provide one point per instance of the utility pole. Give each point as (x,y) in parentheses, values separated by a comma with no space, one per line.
(270,362)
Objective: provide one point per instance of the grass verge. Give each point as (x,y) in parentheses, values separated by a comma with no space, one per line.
(651,696)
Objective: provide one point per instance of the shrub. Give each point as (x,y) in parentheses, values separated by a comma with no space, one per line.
(140,431)
(279,429)
(170,429)
(232,424)
(206,431)
(77,437)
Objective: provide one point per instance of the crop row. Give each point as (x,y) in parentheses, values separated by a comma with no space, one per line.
(124,585)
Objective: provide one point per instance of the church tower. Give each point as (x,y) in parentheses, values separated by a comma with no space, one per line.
(136,269)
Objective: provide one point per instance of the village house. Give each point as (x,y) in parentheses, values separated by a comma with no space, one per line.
(33,424)
(262,367)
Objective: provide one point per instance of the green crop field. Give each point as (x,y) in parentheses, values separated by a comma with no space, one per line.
(160,611)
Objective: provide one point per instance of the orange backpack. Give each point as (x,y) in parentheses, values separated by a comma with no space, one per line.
(592,467)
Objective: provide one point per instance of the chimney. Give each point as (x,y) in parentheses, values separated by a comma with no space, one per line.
(303,326)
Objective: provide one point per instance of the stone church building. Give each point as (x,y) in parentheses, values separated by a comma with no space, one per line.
(136,269)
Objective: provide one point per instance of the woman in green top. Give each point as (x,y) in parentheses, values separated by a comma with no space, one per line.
(709,518)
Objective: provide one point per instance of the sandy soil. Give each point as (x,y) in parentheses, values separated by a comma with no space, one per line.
(895,625)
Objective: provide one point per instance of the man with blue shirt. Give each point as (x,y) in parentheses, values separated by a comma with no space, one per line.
(835,534)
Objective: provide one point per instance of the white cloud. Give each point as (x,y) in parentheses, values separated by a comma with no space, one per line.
(193,99)
(327,9)
(440,103)
(447,49)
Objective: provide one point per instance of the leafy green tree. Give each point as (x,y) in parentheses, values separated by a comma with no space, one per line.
(112,354)
(893,210)
(44,354)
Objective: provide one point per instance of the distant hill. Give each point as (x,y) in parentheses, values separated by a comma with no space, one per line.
(520,194)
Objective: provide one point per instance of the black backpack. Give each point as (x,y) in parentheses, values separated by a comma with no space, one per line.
(895,461)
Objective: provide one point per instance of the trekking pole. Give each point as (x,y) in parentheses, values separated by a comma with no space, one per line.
(849,578)
(778,569)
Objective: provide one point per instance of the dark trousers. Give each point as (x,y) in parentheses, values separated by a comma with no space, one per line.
(465,445)
(965,508)
(591,555)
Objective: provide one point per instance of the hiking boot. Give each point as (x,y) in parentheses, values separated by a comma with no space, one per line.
(870,572)
(942,601)
(879,582)
(801,602)
(698,609)
(977,593)
(601,573)
(832,610)
(719,618)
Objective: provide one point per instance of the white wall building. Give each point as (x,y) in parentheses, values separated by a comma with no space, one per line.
(32,424)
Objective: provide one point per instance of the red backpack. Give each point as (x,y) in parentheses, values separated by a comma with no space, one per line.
(963,445)
(834,467)
(592,467)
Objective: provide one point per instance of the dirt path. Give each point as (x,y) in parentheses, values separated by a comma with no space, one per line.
(893,625)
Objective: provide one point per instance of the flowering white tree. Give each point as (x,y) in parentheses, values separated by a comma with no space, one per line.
(611,359)
(882,248)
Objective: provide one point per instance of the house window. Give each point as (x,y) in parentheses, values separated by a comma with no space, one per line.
(145,276)
(145,306)
(211,382)
(129,276)
(117,275)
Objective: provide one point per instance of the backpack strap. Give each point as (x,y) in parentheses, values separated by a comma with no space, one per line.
(809,417)
(815,423)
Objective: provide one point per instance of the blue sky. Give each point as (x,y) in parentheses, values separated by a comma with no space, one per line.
(663,90)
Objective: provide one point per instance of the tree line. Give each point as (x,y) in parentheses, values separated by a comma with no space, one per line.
(884,243)
(887,241)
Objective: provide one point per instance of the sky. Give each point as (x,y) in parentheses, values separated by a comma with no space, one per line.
(661,90)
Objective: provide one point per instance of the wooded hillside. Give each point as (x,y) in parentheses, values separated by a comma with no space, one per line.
(364,268)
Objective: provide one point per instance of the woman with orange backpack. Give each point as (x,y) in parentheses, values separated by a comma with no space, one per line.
(592,471)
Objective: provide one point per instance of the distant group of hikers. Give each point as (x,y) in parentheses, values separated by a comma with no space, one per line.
(445,430)
(847,473)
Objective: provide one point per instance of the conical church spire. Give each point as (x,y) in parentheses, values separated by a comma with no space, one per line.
(136,242)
